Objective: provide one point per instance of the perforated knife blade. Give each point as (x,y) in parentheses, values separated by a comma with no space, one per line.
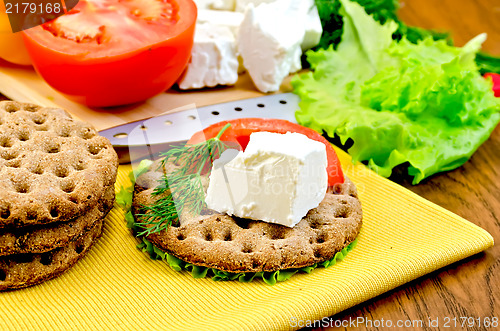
(145,138)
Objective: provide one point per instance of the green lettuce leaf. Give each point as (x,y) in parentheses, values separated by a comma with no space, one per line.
(425,103)
(270,278)
(488,63)
(123,197)
(125,194)
(381,11)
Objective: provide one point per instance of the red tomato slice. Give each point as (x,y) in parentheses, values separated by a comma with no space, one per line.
(240,131)
(496,82)
(114,52)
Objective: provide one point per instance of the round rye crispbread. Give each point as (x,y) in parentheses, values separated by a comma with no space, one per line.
(52,168)
(233,244)
(43,238)
(23,270)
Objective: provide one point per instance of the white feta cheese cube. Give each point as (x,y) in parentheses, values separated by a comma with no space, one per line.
(277,179)
(229,19)
(241,5)
(203,4)
(213,58)
(269,41)
(313,28)
(223,4)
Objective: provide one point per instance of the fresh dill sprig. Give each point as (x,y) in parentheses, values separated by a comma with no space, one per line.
(181,188)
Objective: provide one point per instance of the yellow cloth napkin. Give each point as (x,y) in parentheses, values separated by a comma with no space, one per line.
(118,287)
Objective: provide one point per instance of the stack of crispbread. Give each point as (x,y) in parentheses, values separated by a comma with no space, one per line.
(57,180)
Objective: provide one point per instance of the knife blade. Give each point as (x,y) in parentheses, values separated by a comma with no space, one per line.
(148,137)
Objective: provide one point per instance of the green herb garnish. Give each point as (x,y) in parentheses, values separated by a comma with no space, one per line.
(182,189)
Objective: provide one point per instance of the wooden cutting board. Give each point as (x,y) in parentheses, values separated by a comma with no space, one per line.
(23,84)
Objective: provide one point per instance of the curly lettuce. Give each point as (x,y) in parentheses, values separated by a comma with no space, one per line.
(270,278)
(381,10)
(423,104)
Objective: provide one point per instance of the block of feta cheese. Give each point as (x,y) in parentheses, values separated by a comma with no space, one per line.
(241,5)
(203,4)
(223,5)
(230,19)
(313,28)
(269,41)
(213,58)
(277,179)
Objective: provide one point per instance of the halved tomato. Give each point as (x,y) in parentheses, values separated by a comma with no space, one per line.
(114,52)
(240,130)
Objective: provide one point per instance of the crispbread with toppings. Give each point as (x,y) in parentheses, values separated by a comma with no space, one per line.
(233,244)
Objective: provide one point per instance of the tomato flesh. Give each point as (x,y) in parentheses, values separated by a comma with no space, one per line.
(495,78)
(111,52)
(240,130)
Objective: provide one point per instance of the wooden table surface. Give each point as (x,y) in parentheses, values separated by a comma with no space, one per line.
(469,288)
